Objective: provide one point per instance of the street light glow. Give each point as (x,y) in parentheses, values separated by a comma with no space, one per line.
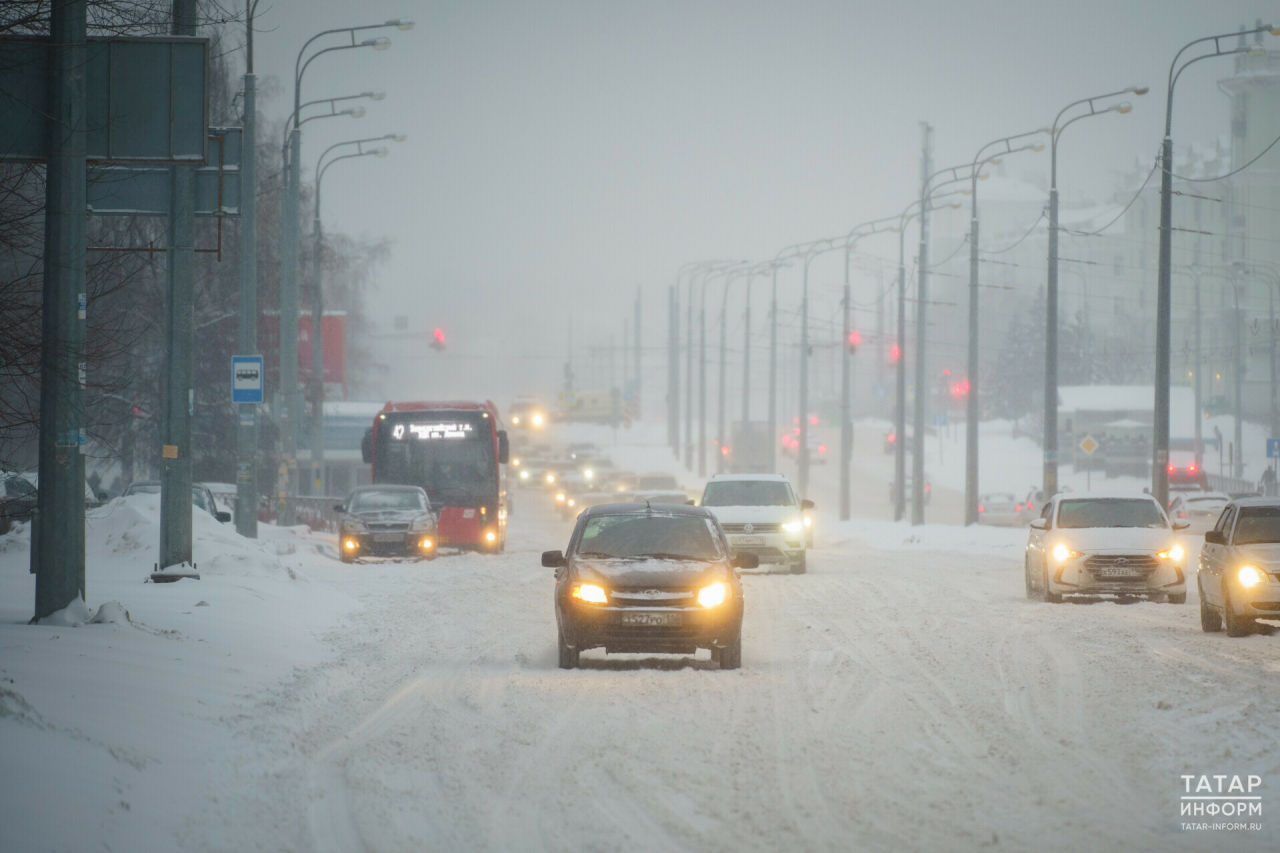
(1123,108)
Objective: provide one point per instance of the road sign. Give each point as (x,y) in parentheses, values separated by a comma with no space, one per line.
(1089,444)
(246,379)
(146,98)
(1273,448)
(144,190)
(939,418)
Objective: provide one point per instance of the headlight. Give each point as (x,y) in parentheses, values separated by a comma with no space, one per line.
(560,496)
(1062,553)
(588,473)
(570,502)
(426,522)
(350,544)
(793,526)
(1175,553)
(808,522)
(710,596)
(590,592)
(524,475)
(351,524)
(515,419)
(426,544)
(515,462)
(491,536)
(1249,576)
(551,478)
(537,420)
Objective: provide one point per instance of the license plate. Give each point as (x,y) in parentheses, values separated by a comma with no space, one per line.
(667,620)
(1117,572)
(748,540)
(388,537)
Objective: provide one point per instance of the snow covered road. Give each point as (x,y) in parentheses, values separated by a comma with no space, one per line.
(889,700)
(903,695)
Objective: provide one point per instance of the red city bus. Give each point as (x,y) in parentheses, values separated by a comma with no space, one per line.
(457,451)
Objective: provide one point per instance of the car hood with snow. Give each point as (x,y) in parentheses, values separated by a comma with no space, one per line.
(655,573)
(1115,539)
(755,514)
(1265,556)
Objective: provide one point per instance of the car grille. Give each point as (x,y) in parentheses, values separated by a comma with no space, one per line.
(1135,564)
(755,528)
(648,597)
(387,526)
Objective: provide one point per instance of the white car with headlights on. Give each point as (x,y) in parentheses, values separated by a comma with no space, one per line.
(1105,545)
(762,515)
(1239,575)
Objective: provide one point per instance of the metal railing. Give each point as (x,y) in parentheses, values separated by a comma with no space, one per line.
(1233,485)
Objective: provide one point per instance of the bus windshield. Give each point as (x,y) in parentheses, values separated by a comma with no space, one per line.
(449,454)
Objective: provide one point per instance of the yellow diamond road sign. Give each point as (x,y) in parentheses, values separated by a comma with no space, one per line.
(1088,444)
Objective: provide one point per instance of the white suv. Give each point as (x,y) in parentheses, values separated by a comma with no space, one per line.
(761,515)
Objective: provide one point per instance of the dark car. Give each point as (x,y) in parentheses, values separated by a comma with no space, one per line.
(386,521)
(649,579)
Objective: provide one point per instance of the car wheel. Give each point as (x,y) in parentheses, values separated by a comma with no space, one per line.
(1176,598)
(729,657)
(1046,595)
(344,558)
(799,566)
(1237,626)
(1026,576)
(568,656)
(1210,619)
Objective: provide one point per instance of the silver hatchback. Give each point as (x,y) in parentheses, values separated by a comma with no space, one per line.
(1239,574)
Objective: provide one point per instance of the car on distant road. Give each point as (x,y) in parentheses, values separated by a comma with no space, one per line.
(640,579)
(1000,508)
(1122,545)
(386,521)
(201,497)
(928,491)
(1239,576)
(762,515)
(1200,510)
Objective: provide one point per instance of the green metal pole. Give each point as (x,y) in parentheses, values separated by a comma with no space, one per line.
(247,451)
(58,537)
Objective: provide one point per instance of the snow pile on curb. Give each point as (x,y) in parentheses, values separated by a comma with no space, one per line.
(901,536)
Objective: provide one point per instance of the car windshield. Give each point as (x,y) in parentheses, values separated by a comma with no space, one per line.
(1258,525)
(143,489)
(749,493)
(673,537)
(1110,512)
(198,498)
(16,487)
(658,482)
(398,499)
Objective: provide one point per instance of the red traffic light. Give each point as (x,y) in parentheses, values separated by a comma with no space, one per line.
(960,389)
(855,338)
(895,352)
(437,339)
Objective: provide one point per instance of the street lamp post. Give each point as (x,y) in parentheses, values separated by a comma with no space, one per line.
(1164,283)
(972,412)
(289,408)
(772,266)
(702,368)
(704,268)
(721,438)
(317,308)
(1051,298)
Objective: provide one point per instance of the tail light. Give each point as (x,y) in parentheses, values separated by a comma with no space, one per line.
(981,508)
(1018,508)
(1030,506)
(1182,515)
(822,448)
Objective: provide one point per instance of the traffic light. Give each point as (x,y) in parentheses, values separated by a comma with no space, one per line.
(895,352)
(960,389)
(437,339)
(854,339)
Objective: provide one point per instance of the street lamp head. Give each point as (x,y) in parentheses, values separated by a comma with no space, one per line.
(996,161)
(355,112)
(380,152)
(375,96)
(400,24)
(983,176)
(955,205)
(396,137)
(1039,146)
(1252,50)
(1139,90)
(1123,108)
(380,43)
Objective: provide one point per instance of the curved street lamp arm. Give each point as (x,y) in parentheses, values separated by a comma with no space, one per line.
(1217,51)
(350,30)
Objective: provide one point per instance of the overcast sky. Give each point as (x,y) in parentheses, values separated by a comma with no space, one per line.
(561,154)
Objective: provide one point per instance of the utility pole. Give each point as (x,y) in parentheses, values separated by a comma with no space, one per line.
(178,395)
(57,536)
(317,355)
(900,383)
(846,404)
(688,380)
(673,369)
(702,382)
(773,374)
(917,457)
(720,422)
(637,399)
(247,445)
(746,360)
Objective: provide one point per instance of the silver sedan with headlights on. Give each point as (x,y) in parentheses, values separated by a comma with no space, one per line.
(1105,545)
(386,521)
(1239,575)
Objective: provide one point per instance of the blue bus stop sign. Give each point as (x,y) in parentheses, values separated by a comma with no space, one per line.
(1273,448)
(246,379)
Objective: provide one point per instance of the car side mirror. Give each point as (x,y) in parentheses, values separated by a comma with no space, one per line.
(338,508)
(746,560)
(1215,537)
(553,559)
(1181,525)
(1040,523)
(806,504)
(224,517)
(504,448)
